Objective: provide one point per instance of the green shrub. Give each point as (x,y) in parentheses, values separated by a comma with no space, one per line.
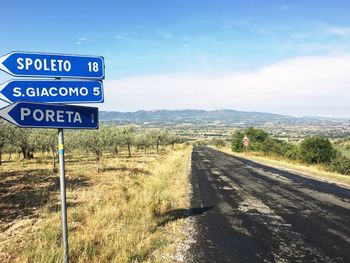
(317,149)
(292,153)
(312,150)
(273,146)
(255,135)
(218,142)
(340,164)
(237,141)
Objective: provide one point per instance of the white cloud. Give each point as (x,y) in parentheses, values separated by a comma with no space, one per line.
(301,86)
(124,37)
(340,31)
(81,40)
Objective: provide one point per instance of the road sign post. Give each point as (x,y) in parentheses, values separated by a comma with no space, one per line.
(63,194)
(30,98)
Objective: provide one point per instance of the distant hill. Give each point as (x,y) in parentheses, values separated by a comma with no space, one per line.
(192,116)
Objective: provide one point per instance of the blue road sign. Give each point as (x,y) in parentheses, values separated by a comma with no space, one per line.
(58,91)
(36,115)
(26,64)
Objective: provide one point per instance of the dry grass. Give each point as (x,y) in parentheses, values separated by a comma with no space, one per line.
(127,213)
(315,171)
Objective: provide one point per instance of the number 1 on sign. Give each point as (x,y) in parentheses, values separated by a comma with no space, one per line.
(93,66)
(92,117)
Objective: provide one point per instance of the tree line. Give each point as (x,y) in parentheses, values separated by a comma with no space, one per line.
(311,150)
(107,139)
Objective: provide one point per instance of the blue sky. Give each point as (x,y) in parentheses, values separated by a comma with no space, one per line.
(189,40)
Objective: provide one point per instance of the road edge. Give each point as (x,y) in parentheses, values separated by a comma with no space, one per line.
(182,252)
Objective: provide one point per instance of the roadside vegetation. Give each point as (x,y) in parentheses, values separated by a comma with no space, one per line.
(127,192)
(313,150)
(343,145)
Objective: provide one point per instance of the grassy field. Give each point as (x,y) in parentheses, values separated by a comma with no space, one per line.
(316,171)
(132,211)
(343,145)
(344,150)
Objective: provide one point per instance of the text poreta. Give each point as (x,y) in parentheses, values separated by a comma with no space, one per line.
(50,115)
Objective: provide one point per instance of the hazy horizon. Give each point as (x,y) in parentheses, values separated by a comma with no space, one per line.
(284,57)
(225,109)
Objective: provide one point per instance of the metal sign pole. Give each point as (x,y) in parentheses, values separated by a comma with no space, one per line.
(63,194)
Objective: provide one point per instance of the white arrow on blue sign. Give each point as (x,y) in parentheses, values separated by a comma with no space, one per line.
(36,115)
(52,91)
(26,64)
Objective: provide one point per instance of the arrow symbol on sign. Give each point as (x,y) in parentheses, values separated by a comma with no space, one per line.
(2,66)
(4,113)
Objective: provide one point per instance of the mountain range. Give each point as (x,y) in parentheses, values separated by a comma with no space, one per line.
(193,116)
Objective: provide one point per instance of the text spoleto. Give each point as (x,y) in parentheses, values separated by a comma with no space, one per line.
(44,64)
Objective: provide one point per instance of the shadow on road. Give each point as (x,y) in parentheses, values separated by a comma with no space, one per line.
(176,214)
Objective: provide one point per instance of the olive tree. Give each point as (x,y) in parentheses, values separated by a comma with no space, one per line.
(128,137)
(22,140)
(172,138)
(117,139)
(158,137)
(142,141)
(45,140)
(96,142)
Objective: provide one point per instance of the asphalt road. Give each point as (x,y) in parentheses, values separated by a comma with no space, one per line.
(247,212)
